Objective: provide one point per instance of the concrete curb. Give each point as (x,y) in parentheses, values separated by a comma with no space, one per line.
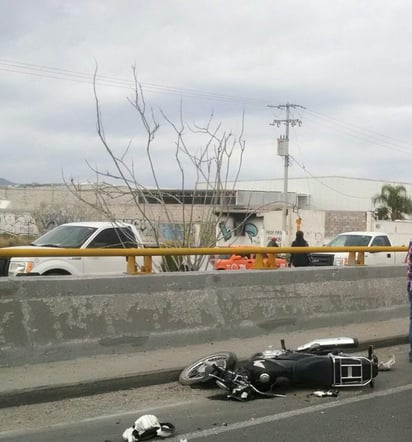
(57,392)
(51,393)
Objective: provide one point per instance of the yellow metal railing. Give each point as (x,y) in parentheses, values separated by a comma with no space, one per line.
(265,256)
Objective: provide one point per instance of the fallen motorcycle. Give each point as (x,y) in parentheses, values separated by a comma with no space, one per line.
(319,363)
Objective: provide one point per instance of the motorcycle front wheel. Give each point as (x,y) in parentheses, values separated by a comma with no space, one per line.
(198,371)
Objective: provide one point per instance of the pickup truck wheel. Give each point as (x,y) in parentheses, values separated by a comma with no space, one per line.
(56,273)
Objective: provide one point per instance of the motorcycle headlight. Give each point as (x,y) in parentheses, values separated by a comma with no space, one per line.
(17,267)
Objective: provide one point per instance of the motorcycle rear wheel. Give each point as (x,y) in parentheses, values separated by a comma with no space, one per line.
(198,372)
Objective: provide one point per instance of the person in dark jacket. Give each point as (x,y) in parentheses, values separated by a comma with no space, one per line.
(273,242)
(299,259)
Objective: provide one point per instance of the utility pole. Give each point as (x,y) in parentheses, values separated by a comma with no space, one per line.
(283,150)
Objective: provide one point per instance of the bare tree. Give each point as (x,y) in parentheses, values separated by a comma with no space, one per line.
(190,212)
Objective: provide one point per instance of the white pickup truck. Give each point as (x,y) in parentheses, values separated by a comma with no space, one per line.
(82,235)
(364,239)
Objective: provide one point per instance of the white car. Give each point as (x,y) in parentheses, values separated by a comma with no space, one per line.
(356,239)
(82,235)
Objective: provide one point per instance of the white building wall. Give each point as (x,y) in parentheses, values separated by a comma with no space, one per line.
(312,223)
(330,192)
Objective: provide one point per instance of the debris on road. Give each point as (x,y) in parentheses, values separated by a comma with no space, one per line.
(147,427)
(386,366)
(320,393)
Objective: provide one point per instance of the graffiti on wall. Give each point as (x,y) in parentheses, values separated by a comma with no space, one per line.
(50,217)
(53,219)
(35,224)
(18,224)
(277,234)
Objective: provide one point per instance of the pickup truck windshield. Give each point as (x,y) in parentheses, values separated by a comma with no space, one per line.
(65,236)
(350,241)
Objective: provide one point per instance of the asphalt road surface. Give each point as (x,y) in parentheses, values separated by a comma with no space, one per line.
(383,413)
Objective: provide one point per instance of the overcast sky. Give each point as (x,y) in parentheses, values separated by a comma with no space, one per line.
(347,62)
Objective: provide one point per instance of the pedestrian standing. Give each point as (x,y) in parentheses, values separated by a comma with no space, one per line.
(299,259)
(409,288)
(272,242)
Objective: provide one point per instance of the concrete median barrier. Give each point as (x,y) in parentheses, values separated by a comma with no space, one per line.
(56,318)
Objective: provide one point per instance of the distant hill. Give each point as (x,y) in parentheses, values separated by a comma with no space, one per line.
(4,182)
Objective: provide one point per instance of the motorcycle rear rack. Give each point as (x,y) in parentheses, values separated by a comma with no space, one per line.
(349,371)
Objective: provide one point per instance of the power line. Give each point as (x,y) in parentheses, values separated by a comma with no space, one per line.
(82,77)
(43,71)
(362,134)
(319,180)
(307,172)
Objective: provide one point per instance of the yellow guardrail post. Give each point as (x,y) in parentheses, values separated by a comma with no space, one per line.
(259,264)
(356,258)
(361,259)
(132,268)
(271,262)
(131,265)
(352,258)
(147,264)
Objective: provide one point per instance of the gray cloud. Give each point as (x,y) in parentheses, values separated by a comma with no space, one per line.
(346,61)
